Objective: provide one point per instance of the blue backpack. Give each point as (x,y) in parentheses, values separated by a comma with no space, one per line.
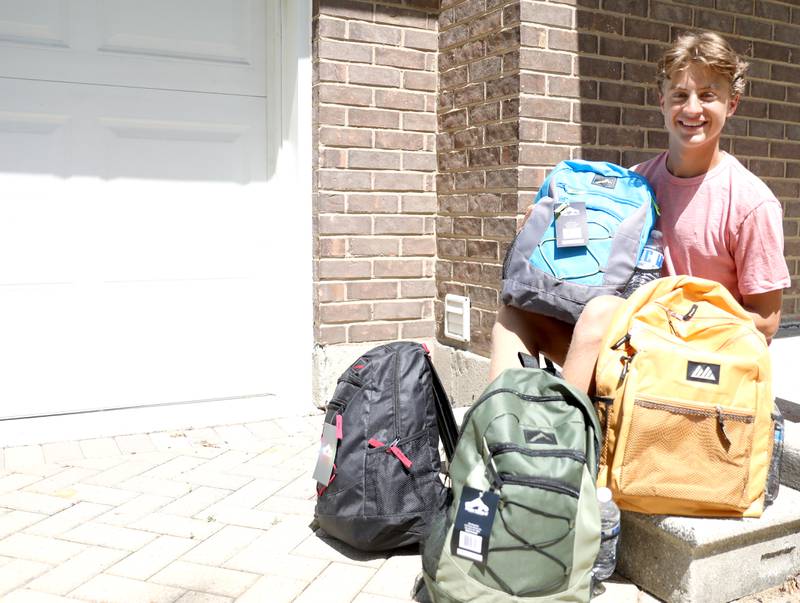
(589,225)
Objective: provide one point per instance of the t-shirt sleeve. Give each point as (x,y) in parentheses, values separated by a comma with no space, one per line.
(760,264)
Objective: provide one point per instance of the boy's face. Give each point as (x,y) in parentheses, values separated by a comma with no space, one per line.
(695,103)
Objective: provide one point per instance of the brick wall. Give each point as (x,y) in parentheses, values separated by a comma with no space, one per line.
(585,90)
(374,169)
(477,144)
(522,84)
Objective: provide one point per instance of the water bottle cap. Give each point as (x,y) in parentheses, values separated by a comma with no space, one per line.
(604,495)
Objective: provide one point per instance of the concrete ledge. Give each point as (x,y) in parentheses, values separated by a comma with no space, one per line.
(694,560)
(463,374)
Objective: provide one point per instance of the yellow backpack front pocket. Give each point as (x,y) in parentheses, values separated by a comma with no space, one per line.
(687,452)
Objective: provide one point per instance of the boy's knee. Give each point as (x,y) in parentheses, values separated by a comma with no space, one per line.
(596,316)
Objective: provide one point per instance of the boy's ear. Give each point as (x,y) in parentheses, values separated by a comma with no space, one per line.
(733,104)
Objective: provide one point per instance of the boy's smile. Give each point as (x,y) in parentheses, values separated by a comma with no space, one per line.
(695,103)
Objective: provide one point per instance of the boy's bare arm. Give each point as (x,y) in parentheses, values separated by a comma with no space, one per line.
(765,308)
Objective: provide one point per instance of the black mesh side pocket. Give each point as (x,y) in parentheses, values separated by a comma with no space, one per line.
(391,489)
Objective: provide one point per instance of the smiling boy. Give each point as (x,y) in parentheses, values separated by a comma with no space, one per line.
(719,221)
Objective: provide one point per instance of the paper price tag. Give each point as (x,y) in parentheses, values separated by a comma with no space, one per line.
(327,454)
(572,229)
(473,525)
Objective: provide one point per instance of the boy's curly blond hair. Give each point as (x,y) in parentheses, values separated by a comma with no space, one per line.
(706,48)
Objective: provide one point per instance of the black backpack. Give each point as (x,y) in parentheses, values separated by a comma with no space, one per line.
(387,412)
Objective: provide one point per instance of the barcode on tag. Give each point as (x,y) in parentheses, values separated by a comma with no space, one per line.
(471,542)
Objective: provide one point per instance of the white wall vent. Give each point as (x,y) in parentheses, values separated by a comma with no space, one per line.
(456,317)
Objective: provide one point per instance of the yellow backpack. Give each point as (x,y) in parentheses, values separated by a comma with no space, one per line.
(684,392)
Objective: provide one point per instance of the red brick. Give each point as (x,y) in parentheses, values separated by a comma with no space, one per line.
(330,247)
(344,269)
(506,178)
(373,247)
(332,158)
(331,335)
(470,94)
(330,203)
(396,99)
(416,80)
(418,204)
(670,13)
(420,288)
(378,204)
(368,32)
(484,157)
(379,160)
(467,138)
(331,28)
(337,224)
(422,40)
(420,122)
(504,40)
(372,290)
(331,116)
(485,23)
(469,180)
(399,225)
(545,61)
(375,76)
(345,137)
(391,181)
(331,313)
(545,108)
(399,310)
(604,114)
(373,118)
(344,180)
(482,113)
(484,69)
(419,161)
(499,227)
(372,332)
(483,249)
(332,72)
(502,132)
(570,133)
(538,154)
(344,51)
(344,95)
(418,246)
(399,268)
(451,247)
(417,329)
(394,15)
(406,141)
(396,57)
(453,78)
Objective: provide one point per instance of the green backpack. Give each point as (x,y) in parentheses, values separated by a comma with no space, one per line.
(524,472)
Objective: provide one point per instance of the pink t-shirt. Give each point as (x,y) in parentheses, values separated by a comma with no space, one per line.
(724,225)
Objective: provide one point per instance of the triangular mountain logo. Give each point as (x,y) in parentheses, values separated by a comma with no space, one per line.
(604,181)
(703,372)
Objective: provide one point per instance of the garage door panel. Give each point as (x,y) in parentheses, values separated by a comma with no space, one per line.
(208,46)
(35,22)
(205,30)
(131,344)
(35,142)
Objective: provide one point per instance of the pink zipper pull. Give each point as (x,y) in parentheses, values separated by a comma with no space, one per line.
(400,456)
(338,427)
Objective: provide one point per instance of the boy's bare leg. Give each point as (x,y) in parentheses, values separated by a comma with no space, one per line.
(519,331)
(579,367)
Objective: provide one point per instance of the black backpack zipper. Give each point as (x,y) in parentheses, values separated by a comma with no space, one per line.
(544,483)
(497,449)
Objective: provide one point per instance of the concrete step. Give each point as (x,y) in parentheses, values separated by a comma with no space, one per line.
(702,560)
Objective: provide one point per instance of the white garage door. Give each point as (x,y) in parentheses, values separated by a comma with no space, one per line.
(143,256)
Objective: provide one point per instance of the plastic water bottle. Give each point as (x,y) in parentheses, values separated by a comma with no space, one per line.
(649,266)
(774,473)
(609,536)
